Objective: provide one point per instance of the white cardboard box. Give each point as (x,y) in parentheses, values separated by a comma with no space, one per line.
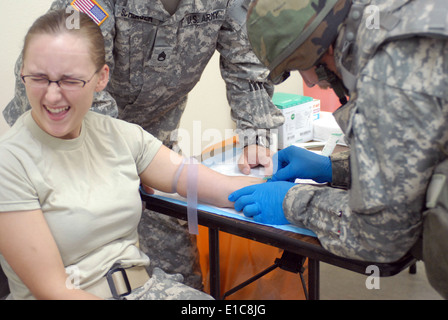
(325,126)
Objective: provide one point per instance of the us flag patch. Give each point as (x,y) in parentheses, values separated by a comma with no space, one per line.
(92,9)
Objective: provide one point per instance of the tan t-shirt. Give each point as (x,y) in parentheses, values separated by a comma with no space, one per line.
(87,188)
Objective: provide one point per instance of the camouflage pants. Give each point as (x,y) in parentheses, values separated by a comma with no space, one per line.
(170,247)
(162,286)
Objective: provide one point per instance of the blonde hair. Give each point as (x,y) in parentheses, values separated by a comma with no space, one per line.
(56,22)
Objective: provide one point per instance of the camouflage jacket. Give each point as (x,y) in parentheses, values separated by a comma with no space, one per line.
(395,123)
(156,59)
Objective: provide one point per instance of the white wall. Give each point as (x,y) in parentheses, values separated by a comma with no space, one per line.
(16,16)
(207,102)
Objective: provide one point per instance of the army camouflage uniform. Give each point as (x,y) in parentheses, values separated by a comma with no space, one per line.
(395,124)
(155,60)
(162,286)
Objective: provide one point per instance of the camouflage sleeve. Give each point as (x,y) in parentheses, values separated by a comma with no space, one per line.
(103,101)
(340,164)
(248,92)
(19,104)
(397,136)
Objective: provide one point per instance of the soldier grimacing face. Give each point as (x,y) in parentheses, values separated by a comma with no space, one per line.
(57,111)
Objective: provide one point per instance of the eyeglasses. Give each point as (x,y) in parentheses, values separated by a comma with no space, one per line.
(37,81)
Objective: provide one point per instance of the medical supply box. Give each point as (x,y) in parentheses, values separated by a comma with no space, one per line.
(299,112)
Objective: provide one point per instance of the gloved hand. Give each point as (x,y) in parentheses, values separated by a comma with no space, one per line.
(263,202)
(294,162)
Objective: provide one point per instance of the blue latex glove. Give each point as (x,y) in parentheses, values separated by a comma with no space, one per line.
(263,202)
(294,162)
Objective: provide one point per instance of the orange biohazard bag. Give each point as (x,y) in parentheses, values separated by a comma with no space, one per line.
(241,259)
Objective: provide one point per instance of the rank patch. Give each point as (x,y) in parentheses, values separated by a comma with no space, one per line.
(92,9)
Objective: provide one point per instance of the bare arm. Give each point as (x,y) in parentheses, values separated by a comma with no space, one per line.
(28,246)
(213,187)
